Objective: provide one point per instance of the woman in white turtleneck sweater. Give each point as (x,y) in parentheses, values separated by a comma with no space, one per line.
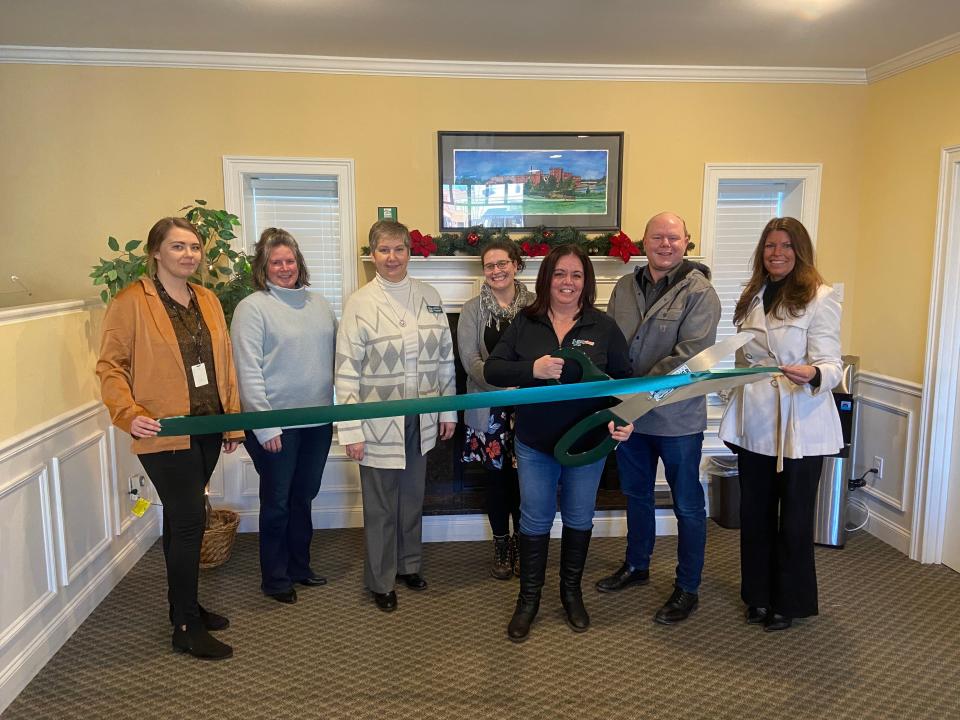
(394,343)
(283,343)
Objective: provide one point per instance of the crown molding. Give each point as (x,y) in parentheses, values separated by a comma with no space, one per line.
(106,57)
(915,58)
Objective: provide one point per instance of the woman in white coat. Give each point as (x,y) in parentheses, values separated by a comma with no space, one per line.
(782,427)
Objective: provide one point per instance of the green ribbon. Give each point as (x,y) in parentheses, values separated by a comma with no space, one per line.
(206,424)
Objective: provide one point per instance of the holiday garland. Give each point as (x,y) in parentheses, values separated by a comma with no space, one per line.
(471,241)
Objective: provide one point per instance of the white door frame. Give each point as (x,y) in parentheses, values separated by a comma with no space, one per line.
(941,377)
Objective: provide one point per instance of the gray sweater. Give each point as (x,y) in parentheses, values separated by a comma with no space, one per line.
(473,353)
(682,323)
(283,348)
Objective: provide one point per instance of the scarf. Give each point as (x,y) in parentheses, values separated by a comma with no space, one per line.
(491,314)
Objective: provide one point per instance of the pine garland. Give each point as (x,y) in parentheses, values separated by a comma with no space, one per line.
(471,241)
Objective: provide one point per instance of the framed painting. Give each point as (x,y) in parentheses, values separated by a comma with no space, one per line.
(524,180)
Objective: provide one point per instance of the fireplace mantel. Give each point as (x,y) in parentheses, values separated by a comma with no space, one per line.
(458,278)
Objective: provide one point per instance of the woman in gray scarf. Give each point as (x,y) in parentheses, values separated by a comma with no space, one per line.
(489,438)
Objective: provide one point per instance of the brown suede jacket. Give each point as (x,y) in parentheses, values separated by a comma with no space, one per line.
(141,369)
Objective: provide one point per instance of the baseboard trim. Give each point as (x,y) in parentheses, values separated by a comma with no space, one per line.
(607,523)
(22,669)
(888,532)
(454,528)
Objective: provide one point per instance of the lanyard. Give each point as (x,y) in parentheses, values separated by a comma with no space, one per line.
(183,317)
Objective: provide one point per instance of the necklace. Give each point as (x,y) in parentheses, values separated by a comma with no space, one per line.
(400,312)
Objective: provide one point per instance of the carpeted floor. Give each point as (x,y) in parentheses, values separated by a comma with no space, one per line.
(886,645)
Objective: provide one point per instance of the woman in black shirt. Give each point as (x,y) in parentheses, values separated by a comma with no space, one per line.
(563,315)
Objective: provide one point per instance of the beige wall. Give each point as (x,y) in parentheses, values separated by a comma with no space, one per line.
(46,368)
(91,152)
(910,118)
(96,151)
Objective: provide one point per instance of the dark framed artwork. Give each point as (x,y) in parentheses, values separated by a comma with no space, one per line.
(523,180)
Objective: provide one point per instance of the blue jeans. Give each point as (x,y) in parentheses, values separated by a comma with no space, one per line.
(539,476)
(289,481)
(637,459)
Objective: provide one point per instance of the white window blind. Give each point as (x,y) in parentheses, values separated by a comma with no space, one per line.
(308,207)
(743,209)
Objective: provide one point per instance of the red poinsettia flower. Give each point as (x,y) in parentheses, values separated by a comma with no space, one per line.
(534,249)
(622,246)
(421,244)
(473,238)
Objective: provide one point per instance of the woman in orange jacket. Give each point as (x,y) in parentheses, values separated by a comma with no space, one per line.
(165,351)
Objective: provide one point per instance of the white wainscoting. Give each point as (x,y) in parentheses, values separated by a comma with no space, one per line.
(67,535)
(888,427)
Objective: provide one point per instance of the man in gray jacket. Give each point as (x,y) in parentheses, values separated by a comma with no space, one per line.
(668,311)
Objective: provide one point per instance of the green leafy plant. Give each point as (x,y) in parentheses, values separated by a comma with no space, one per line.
(227,271)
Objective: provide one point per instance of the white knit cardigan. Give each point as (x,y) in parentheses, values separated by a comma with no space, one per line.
(370,367)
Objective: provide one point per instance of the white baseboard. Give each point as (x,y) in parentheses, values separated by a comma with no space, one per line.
(18,673)
(608,523)
(888,532)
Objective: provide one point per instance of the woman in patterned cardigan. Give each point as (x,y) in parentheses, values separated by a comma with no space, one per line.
(393,343)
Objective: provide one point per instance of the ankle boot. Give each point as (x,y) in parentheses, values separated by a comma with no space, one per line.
(502,568)
(196,641)
(533,551)
(573,555)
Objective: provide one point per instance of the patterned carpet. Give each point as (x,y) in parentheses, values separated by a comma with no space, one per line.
(886,645)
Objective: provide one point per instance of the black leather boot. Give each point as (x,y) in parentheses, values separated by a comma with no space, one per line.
(533,551)
(573,556)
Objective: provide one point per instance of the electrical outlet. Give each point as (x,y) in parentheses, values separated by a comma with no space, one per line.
(131,484)
(878,464)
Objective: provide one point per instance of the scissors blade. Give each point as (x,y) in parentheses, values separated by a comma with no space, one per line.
(641,403)
(706,359)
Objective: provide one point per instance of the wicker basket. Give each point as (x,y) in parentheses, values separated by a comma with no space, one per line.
(218,537)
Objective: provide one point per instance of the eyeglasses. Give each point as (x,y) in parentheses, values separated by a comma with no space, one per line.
(499,265)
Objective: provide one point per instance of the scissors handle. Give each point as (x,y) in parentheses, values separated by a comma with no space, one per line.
(590,371)
(593,421)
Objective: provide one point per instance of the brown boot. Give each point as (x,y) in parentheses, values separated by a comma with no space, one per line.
(502,568)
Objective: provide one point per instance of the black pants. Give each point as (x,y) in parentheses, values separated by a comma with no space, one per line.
(180,477)
(503,499)
(776,533)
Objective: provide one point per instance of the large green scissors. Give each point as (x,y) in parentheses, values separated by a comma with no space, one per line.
(702,381)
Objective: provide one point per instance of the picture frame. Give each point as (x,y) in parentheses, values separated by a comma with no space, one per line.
(523,180)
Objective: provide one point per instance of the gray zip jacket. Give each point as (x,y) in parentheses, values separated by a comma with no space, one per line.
(676,327)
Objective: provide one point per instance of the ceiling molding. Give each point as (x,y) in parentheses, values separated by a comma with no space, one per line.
(914,58)
(106,57)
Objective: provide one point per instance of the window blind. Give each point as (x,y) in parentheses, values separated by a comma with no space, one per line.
(308,207)
(743,209)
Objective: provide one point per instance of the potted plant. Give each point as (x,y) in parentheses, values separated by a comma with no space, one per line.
(227,273)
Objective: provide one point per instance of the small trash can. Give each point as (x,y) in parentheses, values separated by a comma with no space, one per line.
(724,490)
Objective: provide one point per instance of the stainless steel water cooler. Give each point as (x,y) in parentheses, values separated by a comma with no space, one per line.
(830,524)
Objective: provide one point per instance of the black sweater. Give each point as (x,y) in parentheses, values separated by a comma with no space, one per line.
(527,339)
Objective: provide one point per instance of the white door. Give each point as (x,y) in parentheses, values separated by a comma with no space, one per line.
(951,524)
(937,510)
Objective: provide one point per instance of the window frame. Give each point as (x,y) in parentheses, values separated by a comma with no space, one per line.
(235,167)
(807,175)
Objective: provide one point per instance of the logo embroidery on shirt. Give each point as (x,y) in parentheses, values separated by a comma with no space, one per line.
(578,342)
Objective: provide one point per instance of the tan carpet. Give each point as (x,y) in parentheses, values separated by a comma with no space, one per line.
(886,645)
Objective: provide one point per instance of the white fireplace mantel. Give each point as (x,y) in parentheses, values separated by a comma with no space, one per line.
(458,278)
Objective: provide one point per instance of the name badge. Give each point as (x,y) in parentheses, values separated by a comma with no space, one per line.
(435,309)
(578,342)
(199,375)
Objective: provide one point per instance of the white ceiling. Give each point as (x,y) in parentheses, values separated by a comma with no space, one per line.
(766,33)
